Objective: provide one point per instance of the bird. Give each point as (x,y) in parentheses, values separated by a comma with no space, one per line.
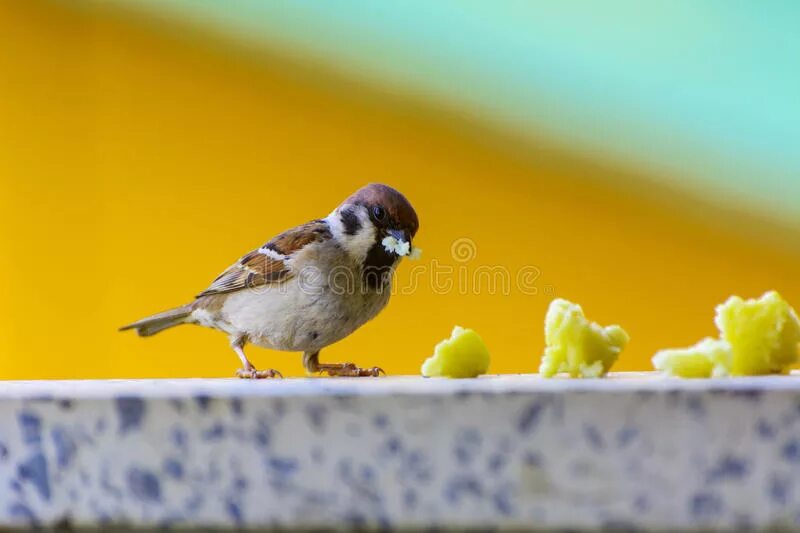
(308,287)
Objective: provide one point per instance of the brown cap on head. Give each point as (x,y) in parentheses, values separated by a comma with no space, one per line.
(397,207)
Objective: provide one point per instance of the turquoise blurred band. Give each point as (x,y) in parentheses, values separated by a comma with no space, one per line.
(701,95)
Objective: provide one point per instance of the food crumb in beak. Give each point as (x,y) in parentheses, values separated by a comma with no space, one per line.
(399,247)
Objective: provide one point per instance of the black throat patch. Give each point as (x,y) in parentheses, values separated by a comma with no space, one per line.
(378,266)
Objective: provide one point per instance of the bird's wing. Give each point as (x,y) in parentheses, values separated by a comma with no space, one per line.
(269,264)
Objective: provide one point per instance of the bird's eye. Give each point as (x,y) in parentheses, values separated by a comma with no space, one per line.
(379,213)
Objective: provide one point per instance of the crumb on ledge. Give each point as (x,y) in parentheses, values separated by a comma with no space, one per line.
(463,355)
(757,336)
(576,346)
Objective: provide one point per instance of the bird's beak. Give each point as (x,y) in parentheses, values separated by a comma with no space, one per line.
(400,235)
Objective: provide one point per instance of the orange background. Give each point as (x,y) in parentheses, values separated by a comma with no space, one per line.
(135,165)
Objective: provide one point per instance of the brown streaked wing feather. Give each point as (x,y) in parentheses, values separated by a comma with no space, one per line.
(253,270)
(257,269)
(297,238)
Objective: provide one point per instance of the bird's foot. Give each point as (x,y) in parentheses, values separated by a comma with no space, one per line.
(252,373)
(350,370)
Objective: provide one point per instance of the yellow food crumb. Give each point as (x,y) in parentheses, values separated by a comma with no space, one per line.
(463,355)
(698,361)
(763,334)
(757,336)
(577,346)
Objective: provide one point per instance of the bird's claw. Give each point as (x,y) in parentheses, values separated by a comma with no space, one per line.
(252,373)
(351,370)
(373,372)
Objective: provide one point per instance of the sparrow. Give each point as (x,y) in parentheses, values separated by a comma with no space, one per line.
(309,287)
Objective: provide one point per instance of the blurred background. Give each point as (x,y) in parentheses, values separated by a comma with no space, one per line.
(642,160)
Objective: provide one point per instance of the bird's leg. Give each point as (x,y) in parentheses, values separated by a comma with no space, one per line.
(313,366)
(248,371)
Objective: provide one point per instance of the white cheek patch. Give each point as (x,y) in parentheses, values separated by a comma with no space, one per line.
(401,248)
(357,245)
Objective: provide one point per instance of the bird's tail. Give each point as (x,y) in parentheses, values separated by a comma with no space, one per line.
(161,321)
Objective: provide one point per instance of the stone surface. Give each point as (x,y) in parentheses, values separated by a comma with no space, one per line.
(517,451)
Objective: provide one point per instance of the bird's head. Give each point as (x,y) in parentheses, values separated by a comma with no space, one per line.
(375,225)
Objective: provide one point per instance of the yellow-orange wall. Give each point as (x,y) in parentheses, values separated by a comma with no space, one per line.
(136,165)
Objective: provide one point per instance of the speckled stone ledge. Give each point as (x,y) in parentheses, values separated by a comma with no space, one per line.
(634,451)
